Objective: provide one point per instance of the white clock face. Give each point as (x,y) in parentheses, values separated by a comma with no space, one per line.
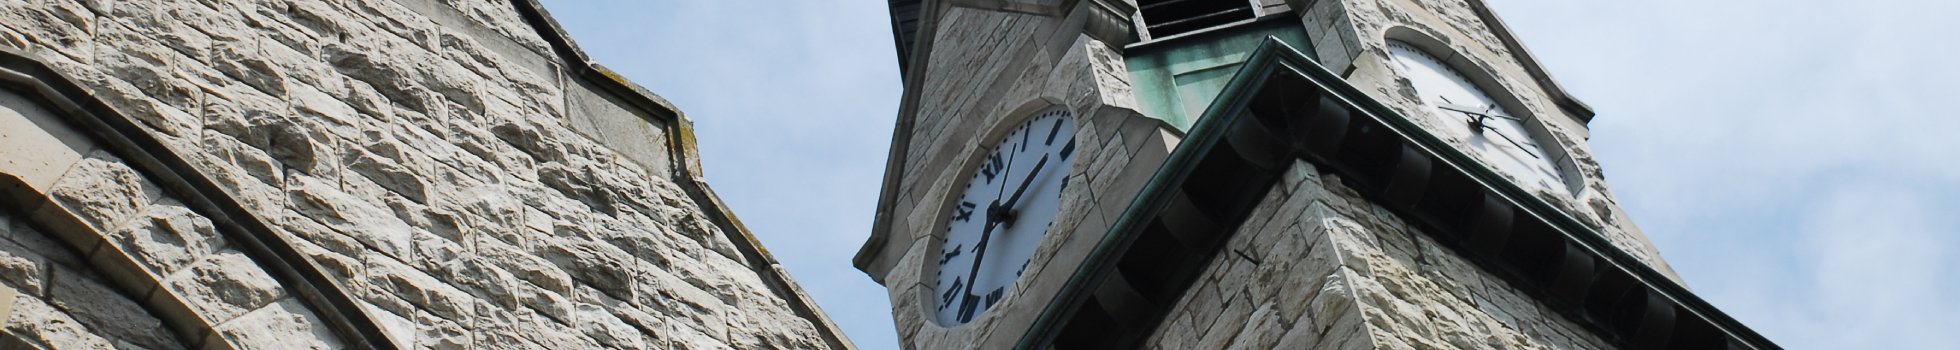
(1471,115)
(1001,216)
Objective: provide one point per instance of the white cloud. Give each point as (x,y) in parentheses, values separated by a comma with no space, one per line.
(1792,159)
(1880,275)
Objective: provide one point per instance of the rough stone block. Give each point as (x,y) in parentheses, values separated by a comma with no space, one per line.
(286,324)
(376,227)
(23,269)
(485,280)
(167,237)
(600,265)
(107,312)
(419,288)
(440,334)
(600,325)
(103,191)
(43,325)
(223,286)
(65,28)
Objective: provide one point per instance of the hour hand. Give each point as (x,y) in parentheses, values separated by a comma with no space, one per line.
(1514,143)
(1032,173)
(1486,112)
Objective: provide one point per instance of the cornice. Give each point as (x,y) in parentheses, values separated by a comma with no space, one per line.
(1281,107)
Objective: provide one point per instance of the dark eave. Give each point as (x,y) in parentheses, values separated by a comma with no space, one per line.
(1282,107)
(905,16)
(905,27)
(871,257)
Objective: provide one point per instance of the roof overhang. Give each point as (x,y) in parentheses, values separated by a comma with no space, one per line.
(906,17)
(913,19)
(1283,107)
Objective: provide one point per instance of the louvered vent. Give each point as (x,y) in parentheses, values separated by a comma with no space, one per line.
(1164,18)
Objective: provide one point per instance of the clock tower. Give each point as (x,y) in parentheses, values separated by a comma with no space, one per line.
(1203,174)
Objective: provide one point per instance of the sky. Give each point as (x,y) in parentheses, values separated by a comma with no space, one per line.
(1790,158)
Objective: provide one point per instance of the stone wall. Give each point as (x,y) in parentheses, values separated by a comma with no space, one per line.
(65,303)
(1323,268)
(1011,65)
(1350,37)
(102,256)
(423,153)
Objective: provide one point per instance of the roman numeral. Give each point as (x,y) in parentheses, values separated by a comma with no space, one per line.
(1068,148)
(969,305)
(993,297)
(964,212)
(946,299)
(948,256)
(1024,136)
(992,166)
(1052,131)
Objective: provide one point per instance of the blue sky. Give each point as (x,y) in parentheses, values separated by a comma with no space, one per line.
(1791,159)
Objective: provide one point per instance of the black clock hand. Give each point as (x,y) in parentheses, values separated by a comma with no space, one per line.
(994,212)
(979,255)
(1514,143)
(1003,173)
(1477,123)
(1473,111)
(1024,187)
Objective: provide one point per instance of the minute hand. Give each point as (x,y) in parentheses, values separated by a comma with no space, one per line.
(1024,183)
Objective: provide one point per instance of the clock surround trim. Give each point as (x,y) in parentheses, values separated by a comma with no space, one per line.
(1028,112)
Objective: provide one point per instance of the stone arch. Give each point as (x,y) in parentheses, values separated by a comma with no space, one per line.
(161,233)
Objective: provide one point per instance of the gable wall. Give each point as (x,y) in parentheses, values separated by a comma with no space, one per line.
(436,158)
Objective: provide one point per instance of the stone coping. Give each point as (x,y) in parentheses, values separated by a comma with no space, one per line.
(688,172)
(249,233)
(1237,152)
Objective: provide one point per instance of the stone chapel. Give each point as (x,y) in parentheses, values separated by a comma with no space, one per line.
(357,174)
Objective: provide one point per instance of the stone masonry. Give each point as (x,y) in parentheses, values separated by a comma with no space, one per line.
(1350,38)
(63,302)
(1324,268)
(440,159)
(1012,65)
(1315,266)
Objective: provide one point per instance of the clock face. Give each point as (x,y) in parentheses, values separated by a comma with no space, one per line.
(1471,115)
(1001,216)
